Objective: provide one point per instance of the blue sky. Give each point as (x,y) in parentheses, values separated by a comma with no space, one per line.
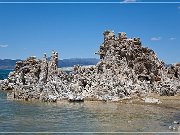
(75,30)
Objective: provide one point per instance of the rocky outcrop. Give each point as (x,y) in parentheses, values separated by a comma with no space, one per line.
(175,126)
(125,69)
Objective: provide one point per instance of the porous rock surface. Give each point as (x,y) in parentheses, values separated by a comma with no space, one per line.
(126,69)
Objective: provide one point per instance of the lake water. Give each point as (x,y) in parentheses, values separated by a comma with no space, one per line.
(4,74)
(21,116)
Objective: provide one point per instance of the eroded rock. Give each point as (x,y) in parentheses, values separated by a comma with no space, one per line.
(125,69)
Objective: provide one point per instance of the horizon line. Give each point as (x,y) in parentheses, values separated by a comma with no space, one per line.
(88,2)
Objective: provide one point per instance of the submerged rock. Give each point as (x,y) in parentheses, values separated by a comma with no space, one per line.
(125,69)
(151,100)
(176,122)
(175,126)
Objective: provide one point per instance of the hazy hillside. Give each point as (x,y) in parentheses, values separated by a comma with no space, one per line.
(9,64)
(77,61)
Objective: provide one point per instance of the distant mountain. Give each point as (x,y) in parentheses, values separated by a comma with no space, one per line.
(78,61)
(9,64)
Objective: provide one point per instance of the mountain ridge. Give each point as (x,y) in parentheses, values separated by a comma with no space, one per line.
(10,63)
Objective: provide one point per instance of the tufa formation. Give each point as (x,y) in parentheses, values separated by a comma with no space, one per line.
(126,69)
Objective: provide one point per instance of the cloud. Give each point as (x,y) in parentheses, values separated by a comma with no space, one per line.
(155,38)
(130,1)
(172,38)
(3,46)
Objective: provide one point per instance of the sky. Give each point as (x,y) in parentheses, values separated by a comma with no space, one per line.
(75,30)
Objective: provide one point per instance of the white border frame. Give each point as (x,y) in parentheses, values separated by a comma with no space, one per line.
(90,132)
(88,2)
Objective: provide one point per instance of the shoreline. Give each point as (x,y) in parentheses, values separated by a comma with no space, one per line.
(171,102)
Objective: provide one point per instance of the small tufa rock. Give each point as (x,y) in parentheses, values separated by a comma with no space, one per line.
(52,98)
(151,100)
(175,126)
(76,98)
(176,122)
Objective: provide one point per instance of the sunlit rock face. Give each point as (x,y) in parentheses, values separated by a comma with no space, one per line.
(126,69)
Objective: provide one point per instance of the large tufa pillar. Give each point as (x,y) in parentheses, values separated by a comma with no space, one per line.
(44,69)
(101,51)
(54,60)
(122,35)
(109,35)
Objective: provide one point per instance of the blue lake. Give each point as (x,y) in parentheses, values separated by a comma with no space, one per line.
(21,116)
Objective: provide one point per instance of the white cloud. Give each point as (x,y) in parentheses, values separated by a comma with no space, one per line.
(3,46)
(172,38)
(130,1)
(155,38)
